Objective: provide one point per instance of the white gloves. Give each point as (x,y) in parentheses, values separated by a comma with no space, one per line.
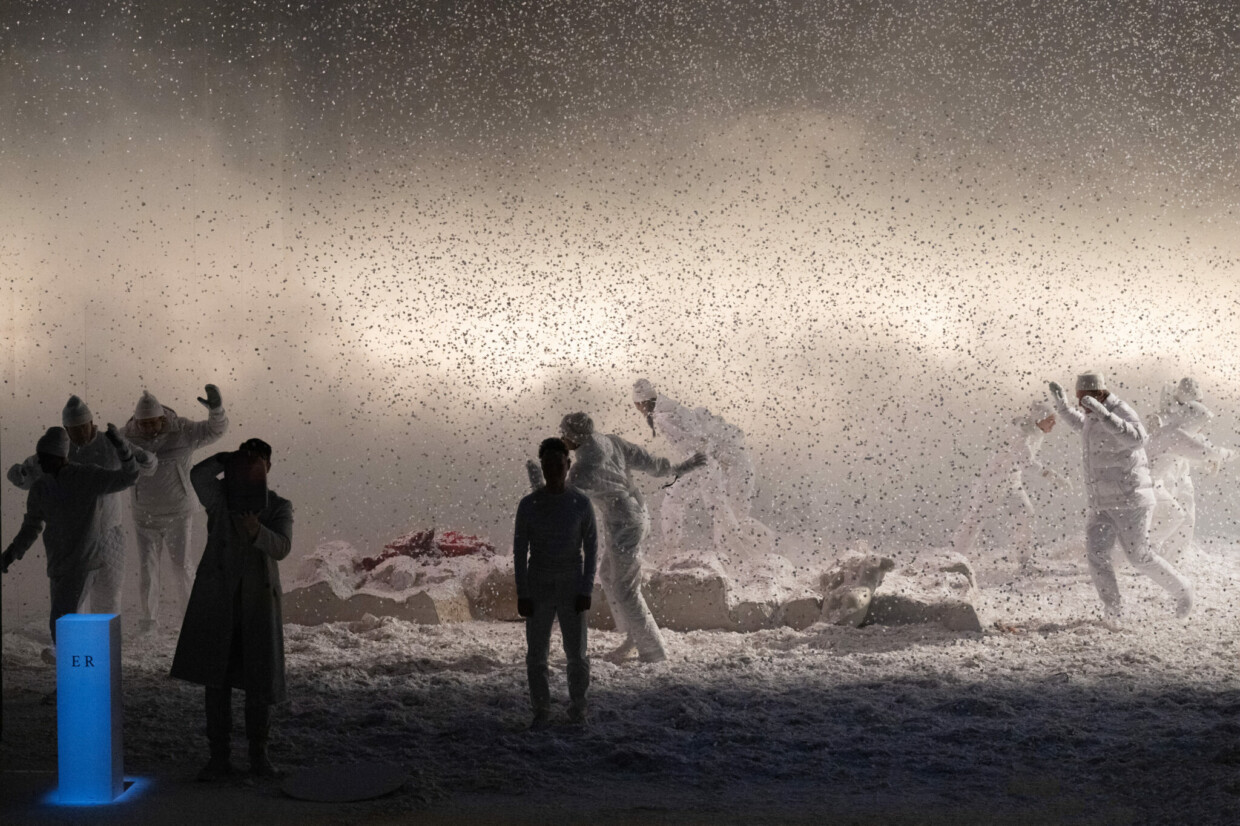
(534,471)
(1215,463)
(692,463)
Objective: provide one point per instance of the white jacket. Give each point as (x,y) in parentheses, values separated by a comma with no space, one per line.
(1117,473)
(1178,445)
(603,470)
(168,492)
(695,429)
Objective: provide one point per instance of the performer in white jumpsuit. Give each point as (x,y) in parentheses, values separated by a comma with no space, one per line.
(1176,448)
(88,446)
(1000,487)
(164,502)
(1120,492)
(725,486)
(603,470)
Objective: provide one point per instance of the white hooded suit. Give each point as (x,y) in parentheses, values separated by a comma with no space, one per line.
(164,503)
(602,469)
(724,486)
(1121,498)
(1176,448)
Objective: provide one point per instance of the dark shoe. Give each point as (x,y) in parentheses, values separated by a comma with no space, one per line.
(577,714)
(217,768)
(541,721)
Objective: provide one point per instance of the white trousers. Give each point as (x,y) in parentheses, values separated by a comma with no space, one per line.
(106,584)
(725,487)
(620,572)
(1131,527)
(158,535)
(1175,517)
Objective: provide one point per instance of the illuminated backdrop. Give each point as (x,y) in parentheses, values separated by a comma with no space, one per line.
(405,238)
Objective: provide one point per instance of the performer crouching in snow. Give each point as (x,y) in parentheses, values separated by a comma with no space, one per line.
(233,633)
(1120,492)
(555,548)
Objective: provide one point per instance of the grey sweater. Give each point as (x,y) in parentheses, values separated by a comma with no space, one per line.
(555,533)
(71,505)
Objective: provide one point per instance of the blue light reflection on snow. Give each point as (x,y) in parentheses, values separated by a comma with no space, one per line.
(135,788)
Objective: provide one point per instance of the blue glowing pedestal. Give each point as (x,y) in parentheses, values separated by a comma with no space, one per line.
(89,712)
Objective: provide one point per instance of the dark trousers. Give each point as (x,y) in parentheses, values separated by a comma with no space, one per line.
(219,721)
(554,596)
(219,701)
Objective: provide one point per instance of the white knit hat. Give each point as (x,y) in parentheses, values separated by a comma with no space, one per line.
(55,442)
(75,413)
(1188,390)
(643,391)
(1090,381)
(148,407)
(576,426)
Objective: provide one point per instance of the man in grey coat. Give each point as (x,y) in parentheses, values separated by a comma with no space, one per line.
(233,633)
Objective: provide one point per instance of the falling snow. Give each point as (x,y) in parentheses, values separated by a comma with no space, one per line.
(405,238)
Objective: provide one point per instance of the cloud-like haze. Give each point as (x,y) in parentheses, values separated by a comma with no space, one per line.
(405,239)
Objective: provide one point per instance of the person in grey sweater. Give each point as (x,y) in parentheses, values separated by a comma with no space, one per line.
(68,498)
(88,446)
(555,553)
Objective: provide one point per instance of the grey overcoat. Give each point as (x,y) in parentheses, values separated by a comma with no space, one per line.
(236,590)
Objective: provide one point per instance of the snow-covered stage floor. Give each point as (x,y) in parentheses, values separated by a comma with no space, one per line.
(1051,718)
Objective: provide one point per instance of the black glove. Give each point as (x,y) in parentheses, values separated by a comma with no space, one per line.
(525,606)
(582,603)
(122,447)
(213,400)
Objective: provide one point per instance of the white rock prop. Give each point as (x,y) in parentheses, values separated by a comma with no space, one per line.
(495,597)
(690,592)
(848,587)
(698,590)
(336,584)
(937,587)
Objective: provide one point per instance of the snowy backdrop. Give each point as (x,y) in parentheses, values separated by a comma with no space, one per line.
(404,238)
